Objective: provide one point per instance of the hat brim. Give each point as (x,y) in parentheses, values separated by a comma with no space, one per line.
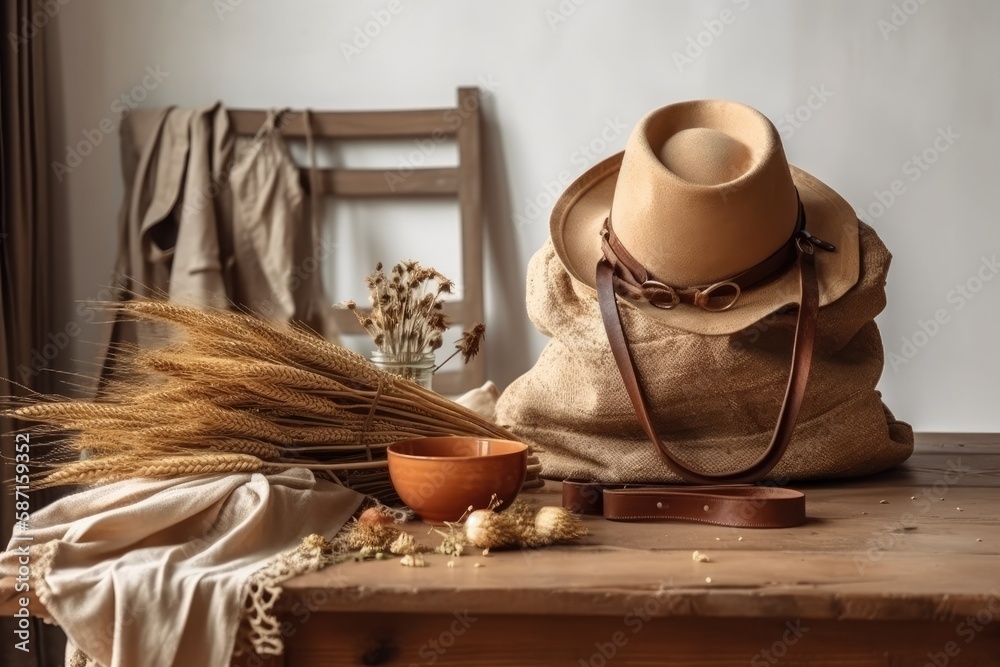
(579,214)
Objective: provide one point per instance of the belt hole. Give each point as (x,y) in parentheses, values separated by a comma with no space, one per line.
(659,506)
(705,508)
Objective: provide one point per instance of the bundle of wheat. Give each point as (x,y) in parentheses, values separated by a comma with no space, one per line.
(236,393)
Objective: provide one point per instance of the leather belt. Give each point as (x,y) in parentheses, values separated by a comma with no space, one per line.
(738,505)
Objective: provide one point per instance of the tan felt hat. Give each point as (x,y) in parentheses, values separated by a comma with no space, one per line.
(701,194)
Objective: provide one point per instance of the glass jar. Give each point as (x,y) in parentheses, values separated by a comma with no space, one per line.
(418,368)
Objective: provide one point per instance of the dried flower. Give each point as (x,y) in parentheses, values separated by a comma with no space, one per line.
(412,560)
(453,540)
(406,321)
(467,345)
(404,544)
(373,538)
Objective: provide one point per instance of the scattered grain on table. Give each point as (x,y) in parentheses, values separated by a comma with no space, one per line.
(412,560)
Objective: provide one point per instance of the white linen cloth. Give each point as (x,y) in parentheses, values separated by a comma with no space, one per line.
(152,572)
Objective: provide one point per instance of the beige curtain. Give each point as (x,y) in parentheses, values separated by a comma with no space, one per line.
(25,256)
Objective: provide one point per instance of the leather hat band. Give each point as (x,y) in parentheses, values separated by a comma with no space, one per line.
(635,282)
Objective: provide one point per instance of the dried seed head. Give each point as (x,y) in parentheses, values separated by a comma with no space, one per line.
(486,528)
(438,322)
(558,524)
(468,345)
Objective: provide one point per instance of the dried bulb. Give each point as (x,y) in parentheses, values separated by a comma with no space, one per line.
(557,524)
(486,528)
(374,516)
(522,526)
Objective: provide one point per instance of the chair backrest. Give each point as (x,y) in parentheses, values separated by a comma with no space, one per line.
(462,181)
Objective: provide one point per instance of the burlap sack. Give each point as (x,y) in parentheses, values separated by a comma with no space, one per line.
(715,398)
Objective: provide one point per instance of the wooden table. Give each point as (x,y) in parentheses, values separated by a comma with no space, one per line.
(908,582)
(911,581)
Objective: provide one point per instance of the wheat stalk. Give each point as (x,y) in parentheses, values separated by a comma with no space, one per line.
(233,393)
(105,470)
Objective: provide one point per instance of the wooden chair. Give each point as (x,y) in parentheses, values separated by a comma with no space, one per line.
(463,181)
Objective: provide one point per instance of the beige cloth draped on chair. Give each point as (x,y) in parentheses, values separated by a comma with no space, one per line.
(215,219)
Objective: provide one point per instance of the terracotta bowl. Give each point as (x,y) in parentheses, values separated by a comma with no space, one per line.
(440,478)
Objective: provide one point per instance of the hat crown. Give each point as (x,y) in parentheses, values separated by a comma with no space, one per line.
(704,192)
(705,156)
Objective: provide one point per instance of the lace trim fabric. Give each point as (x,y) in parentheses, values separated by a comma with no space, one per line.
(43,556)
(77,658)
(260,629)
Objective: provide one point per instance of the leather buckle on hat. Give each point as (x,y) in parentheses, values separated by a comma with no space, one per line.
(804,245)
(652,291)
(702,297)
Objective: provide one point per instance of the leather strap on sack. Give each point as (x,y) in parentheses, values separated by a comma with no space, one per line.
(619,273)
(742,506)
(805,335)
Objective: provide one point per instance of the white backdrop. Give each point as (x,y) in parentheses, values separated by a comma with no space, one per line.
(893,103)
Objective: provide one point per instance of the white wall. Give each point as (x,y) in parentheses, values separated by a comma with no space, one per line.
(560,80)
